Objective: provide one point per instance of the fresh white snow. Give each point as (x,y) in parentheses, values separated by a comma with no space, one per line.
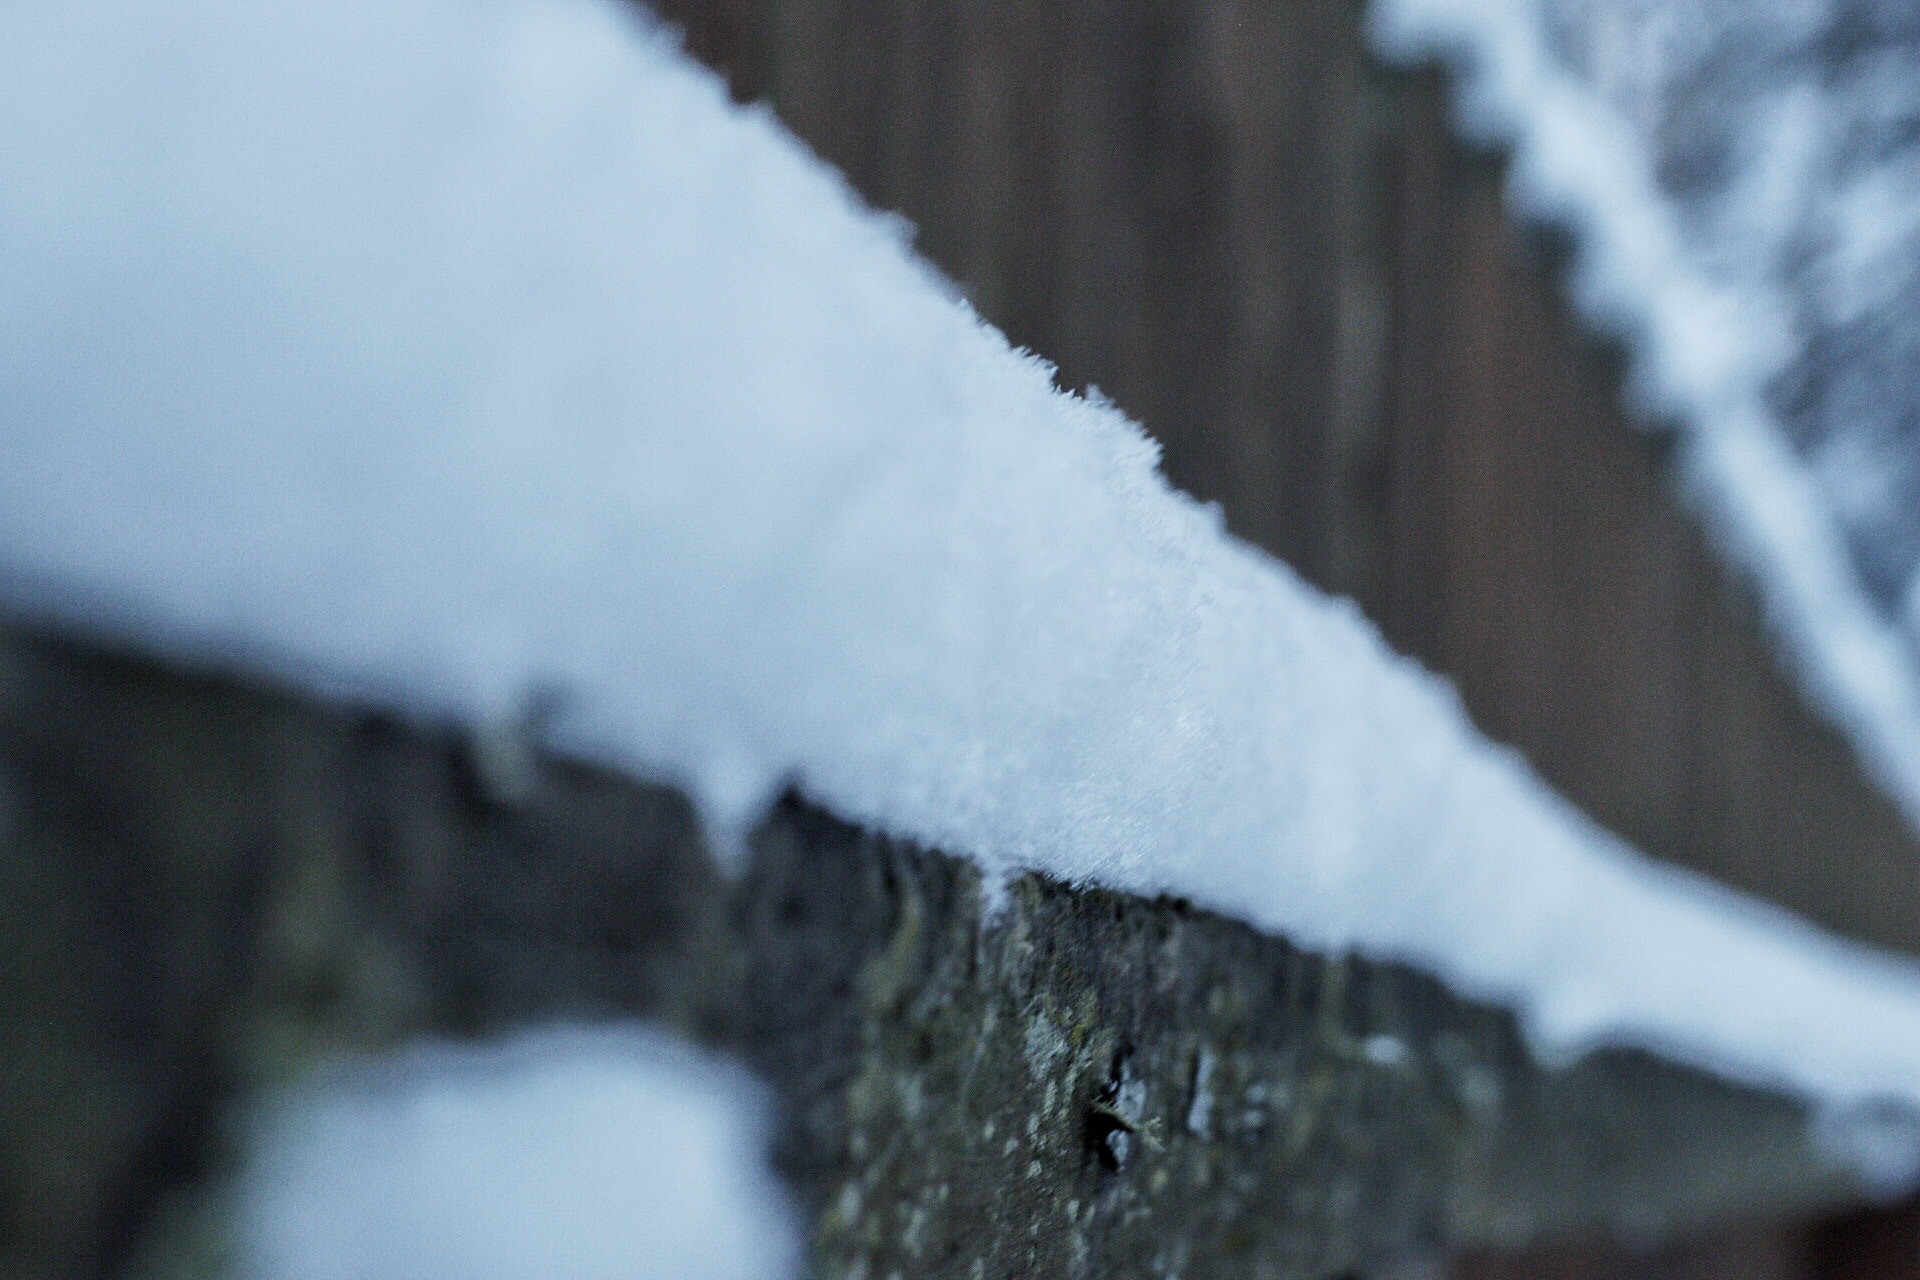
(565,1154)
(444,351)
(1743,290)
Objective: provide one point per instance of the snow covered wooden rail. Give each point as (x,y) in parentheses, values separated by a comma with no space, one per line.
(212,887)
(475,363)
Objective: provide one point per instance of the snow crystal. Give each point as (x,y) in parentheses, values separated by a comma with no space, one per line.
(1745,184)
(451,352)
(589,1155)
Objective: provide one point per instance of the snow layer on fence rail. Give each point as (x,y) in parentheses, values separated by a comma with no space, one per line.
(440,351)
(588,1155)
(1744,184)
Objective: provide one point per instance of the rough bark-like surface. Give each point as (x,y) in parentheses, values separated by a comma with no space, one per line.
(208,888)
(1096,1085)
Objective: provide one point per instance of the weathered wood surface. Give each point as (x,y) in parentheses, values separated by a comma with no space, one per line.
(209,888)
(1272,253)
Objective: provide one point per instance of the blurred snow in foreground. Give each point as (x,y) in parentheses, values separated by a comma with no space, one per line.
(563,1155)
(441,351)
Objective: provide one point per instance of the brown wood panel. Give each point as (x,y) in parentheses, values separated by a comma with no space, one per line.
(1586,621)
(1273,254)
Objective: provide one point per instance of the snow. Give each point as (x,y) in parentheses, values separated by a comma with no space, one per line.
(1744,181)
(575,1153)
(459,353)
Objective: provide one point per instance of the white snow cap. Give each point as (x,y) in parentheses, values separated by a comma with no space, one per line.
(569,1153)
(439,350)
